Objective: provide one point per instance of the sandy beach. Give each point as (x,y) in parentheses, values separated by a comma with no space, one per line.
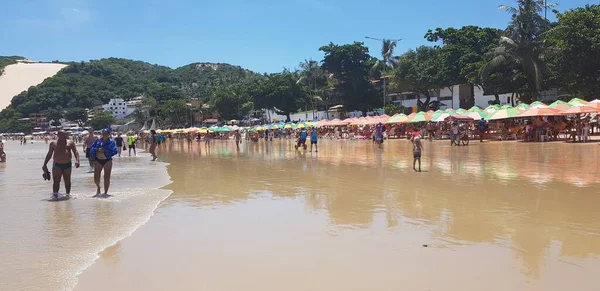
(44,244)
(19,77)
(491,216)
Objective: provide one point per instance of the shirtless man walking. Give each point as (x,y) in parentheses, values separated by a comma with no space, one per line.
(87,146)
(60,150)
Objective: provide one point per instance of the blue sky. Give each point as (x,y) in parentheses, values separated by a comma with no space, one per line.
(260,35)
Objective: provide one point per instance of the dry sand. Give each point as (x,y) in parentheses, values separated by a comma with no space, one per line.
(19,77)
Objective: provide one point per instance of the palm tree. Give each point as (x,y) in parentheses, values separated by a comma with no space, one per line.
(388,61)
(310,73)
(524,42)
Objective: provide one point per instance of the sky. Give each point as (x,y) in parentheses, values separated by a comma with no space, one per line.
(260,35)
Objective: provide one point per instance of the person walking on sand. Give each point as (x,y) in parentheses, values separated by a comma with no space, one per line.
(120,144)
(131,143)
(153,140)
(314,137)
(417,149)
(60,151)
(102,151)
(87,146)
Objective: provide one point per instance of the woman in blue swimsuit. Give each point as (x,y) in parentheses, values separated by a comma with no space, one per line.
(103,149)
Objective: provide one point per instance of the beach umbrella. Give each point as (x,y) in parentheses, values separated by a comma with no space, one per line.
(474,108)
(419,117)
(540,111)
(492,108)
(287,126)
(477,115)
(437,114)
(504,113)
(580,109)
(523,106)
(461,111)
(537,103)
(560,105)
(443,116)
(595,103)
(398,118)
(577,101)
(506,106)
(300,125)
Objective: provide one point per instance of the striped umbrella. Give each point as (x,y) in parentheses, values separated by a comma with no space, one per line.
(419,117)
(492,108)
(398,118)
(540,111)
(504,114)
(522,106)
(577,101)
(560,105)
(581,109)
(537,103)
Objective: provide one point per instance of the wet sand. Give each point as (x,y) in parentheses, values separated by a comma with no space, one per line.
(492,216)
(45,244)
(19,77)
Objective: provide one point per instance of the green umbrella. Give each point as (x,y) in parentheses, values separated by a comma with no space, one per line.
(504,113)
(506,106)
(476,115)
(460,111)
(522,106)
(560,105)
(475,109)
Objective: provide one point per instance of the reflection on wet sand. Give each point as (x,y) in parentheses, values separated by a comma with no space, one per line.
(517,195)
(494,216)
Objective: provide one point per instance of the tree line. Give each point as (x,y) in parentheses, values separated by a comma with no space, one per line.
(531,55)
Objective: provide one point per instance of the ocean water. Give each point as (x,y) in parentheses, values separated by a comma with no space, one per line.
(45,245)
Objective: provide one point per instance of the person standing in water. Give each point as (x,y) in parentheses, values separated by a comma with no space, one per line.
(314,137)
(87,146)
(379,135)
(102,151)
(153,143)
(131,143)
(417,149)
(238,139)
(119,142)
(2,153)
(60,151)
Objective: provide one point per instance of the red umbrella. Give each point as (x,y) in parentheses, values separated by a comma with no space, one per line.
(540,111)
(580,109)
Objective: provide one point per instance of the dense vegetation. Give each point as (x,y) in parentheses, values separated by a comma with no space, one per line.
(531,55)
(8,60)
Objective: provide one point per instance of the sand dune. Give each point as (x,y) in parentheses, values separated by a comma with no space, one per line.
(19,77)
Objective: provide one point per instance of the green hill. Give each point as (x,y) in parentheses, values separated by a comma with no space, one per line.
(93,83)
(88,84)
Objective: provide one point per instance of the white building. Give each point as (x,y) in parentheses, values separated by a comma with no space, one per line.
(450,97)
(119,108)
